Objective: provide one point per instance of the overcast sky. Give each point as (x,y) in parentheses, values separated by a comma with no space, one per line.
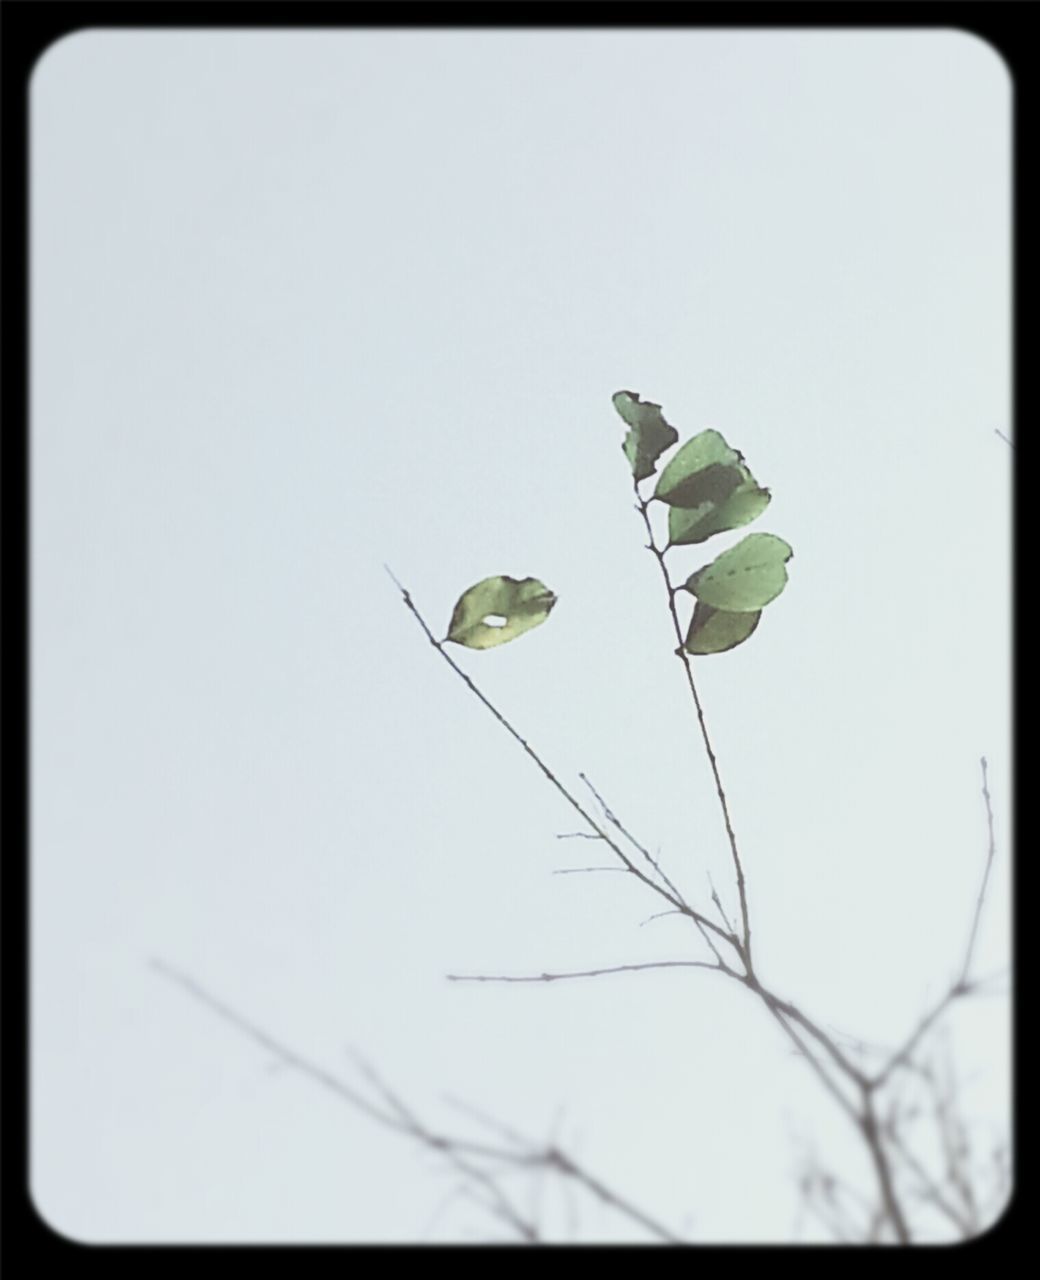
(308,302)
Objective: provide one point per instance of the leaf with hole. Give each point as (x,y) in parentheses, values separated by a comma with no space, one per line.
(746,577)
(715,630)
(648,436)
(697,524)
(499,609)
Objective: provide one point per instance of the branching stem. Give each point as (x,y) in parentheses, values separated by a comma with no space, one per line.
(702,921)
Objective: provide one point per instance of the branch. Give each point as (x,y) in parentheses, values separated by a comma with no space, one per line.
(612,818)
(585,973)
(862,1118)
(929,1189)
(577,871)
(962,985)
(615,822)
(990,854)
(270,1045)
(720,791)
(499,1203)
(791,1010)
(668,896)
(603,1193)
(882,1167)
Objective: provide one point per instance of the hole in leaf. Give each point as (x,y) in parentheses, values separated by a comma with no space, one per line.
(495,620)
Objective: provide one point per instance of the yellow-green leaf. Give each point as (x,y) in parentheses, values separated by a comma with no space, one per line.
(499,609)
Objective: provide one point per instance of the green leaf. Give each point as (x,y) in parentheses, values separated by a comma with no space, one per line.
(705,469)
(697,524)
(715,630)
(746,577)
(499,609)
(649,435)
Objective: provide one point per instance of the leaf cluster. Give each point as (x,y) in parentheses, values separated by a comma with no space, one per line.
(708,489)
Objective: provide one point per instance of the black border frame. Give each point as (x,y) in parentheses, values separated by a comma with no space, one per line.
(27,29)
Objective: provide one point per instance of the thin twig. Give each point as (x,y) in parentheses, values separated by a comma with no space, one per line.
(718,905)
(577,871)
(490,1122)
(603,1193)
(929,1188)
(955,1144)
(585,973)
(616,822)
(658,553)
(270,1045)
(498,1202)
(990,854)
(658,915)
(962,985)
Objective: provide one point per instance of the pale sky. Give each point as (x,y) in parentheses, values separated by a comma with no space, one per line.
(305,302)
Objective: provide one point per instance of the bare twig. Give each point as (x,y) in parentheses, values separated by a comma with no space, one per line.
(929,1188)
(577,871)
(496,1200)
(961,986)
(608,1197)
(990,854)
(270,1045)
(718,905)
(616,822)
(658,915)
(658,553)
(585,973)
